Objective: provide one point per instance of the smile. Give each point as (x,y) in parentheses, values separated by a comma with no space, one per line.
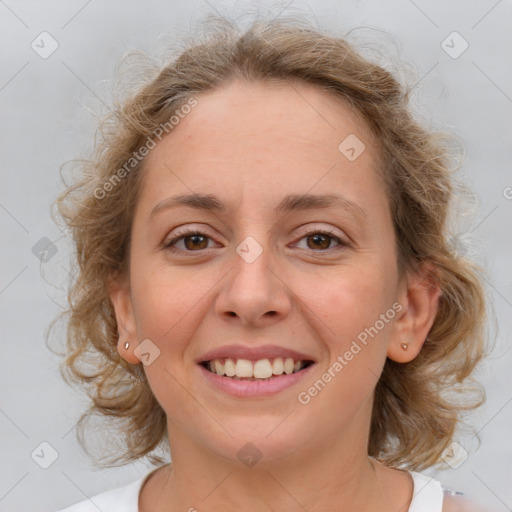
(260,370)
(251,385)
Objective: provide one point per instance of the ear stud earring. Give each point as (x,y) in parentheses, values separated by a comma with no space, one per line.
(126,345)
(404,346)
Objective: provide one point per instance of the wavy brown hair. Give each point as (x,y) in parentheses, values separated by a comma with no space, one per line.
(414,417)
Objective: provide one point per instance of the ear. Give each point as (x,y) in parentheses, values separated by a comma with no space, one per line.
(419,297)
(120,295)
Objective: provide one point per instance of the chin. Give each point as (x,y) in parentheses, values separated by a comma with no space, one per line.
(262,441)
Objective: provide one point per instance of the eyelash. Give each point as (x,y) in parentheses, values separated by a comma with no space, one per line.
(169,244)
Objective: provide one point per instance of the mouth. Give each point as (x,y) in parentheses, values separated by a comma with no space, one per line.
(255,370)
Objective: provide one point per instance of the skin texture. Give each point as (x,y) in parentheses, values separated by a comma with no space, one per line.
(251,145)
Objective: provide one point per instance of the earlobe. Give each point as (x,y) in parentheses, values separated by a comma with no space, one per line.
(404,352)
(126,350)
(420,298)
(119,293)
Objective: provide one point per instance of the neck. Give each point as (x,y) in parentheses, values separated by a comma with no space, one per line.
(310,480)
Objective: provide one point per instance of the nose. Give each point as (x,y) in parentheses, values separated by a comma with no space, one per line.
(254,293)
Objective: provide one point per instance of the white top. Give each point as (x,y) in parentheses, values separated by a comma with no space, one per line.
(427,497)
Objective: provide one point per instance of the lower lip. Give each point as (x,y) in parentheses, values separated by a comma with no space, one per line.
(254,388)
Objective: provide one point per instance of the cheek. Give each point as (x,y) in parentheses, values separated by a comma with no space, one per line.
(345,300)
(345,313)
(166,301)
(168,305)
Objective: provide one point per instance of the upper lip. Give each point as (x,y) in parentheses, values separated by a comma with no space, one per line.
(253,353)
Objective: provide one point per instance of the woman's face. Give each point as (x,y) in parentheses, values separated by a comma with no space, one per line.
(274,266)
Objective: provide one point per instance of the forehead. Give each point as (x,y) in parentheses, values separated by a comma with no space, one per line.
(263,137)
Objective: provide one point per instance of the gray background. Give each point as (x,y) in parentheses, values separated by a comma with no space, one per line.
(49,109)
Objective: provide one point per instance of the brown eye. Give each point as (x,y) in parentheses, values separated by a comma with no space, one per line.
(195,241)
(319,241)
(187,242)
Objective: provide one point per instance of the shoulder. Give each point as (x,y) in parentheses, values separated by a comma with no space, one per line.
(120,499)
(456,503)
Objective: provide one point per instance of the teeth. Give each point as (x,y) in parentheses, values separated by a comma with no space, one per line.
(244,368)
(288,365)
(219,367)
(261,369)
(229,367)
(278,366)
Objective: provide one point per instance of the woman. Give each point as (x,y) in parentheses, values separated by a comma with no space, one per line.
(265,283)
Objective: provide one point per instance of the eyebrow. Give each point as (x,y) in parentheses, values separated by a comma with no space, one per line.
(292,202)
